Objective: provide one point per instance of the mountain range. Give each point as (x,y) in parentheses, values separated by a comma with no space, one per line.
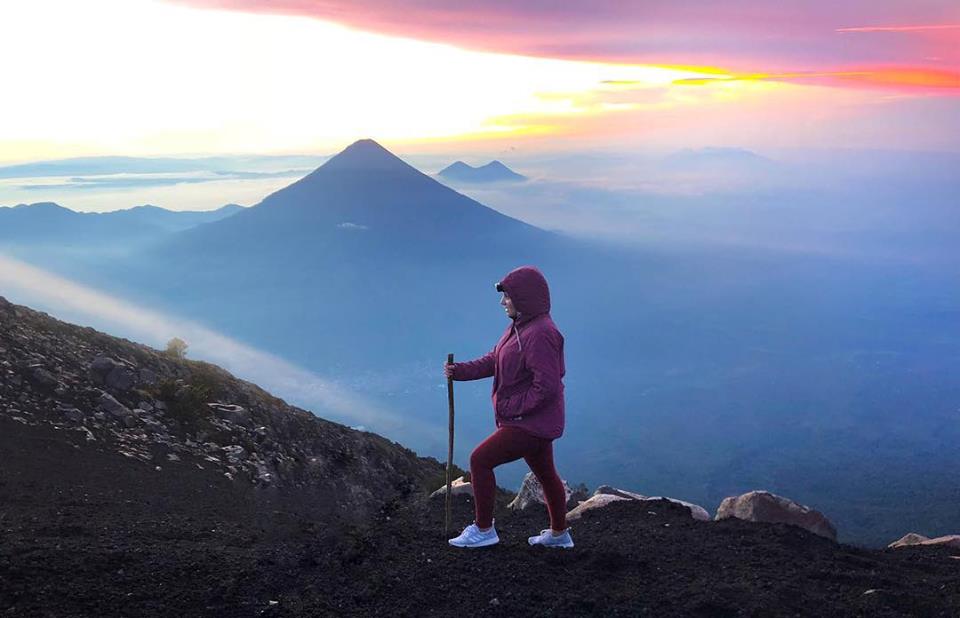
(101,166)
(495,171)
(53,226)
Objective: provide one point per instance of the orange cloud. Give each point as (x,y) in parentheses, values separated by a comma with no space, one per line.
(895,78)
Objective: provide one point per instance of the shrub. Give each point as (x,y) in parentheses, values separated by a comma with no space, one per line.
(177,348)
(185,403)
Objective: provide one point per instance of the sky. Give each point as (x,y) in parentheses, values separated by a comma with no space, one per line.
(194,77)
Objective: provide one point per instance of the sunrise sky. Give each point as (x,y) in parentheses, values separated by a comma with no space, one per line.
(187,77)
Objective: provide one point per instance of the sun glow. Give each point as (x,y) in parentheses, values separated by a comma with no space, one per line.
(145,77)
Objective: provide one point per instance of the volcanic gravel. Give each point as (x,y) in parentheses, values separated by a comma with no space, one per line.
(85,532)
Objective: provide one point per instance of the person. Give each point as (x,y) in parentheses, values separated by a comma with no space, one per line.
(527,367)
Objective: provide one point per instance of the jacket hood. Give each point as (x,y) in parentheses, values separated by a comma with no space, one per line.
(527,288)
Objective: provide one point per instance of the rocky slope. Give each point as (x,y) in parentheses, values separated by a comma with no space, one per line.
(114,396)
(123,491)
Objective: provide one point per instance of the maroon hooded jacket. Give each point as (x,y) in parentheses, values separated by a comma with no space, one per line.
(527,363)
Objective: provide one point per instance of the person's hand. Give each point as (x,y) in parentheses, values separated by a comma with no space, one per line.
(448,370)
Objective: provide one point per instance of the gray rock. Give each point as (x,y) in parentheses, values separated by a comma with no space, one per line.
(41,378)
(761,505)
(912,538)
(234,452)
(532,493)
(623,493)
(596,501)
(120,378)
(100,368)
(109,404)
(233,413)
(71,413)
(605,494)
(457,486)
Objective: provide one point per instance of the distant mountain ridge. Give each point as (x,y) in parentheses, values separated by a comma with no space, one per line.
(495,171)
(50,223)
(94,166)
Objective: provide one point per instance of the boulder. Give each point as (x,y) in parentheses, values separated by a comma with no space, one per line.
(457,486)
(696,511)
(70,412)
(41,378)
(120,379)
(109,404)
(623,493)
(148,376)
(764,506)
(532,493)
(105,371)
(593,502)
(951,540)
(100,368)
(233,413)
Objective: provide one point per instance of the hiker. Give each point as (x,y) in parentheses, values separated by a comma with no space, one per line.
(527,368)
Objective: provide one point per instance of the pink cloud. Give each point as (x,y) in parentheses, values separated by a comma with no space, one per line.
(741,35)
(901,28)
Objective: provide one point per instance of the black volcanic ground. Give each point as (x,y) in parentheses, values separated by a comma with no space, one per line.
(91,533)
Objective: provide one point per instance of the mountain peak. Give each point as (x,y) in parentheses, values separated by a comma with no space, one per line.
(365,154)
(43,207)
(494,171)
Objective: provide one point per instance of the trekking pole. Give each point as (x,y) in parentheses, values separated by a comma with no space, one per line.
(446,521)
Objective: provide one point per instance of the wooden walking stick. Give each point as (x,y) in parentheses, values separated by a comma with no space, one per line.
(446,521)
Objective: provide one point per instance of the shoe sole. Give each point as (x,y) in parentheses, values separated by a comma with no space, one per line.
(486,543)
(570,546)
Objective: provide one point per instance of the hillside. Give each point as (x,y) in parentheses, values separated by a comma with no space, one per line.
(113,397)
(124,492)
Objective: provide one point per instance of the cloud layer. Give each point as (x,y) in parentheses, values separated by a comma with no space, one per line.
(24,283)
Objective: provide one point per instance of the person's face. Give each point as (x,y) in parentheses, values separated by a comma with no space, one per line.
(508,305)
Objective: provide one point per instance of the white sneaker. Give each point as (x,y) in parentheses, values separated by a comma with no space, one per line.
(472,537)
(547,539)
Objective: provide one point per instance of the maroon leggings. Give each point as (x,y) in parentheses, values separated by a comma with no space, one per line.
(508,444)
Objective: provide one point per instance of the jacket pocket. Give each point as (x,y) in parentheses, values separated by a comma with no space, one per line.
(517,388)
(511,406)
